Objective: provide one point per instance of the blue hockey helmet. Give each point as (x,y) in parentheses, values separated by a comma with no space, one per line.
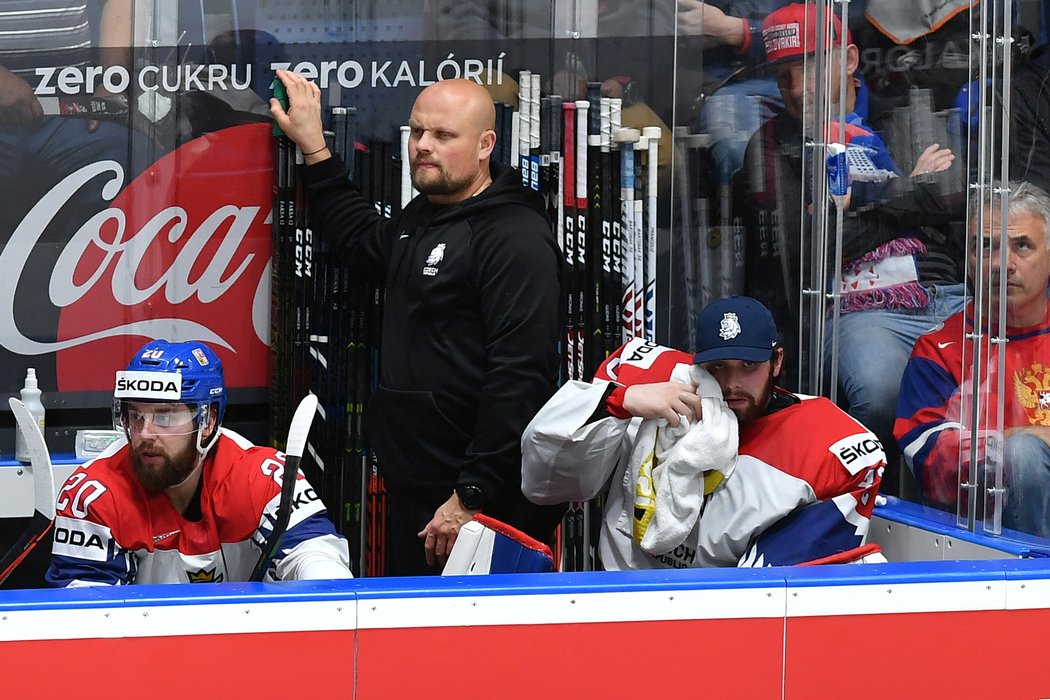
(162,371)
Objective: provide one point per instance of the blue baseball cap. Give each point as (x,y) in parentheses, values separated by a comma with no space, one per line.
(735,328)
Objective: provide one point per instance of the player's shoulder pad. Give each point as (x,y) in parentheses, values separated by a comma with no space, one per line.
(641,361)
(853,445)
(96,488)
(858,451)
(235,460)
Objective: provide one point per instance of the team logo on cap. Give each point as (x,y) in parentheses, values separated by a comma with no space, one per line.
(729,328)
(202,359)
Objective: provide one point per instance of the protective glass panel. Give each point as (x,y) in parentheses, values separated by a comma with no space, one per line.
(891,126)
(685,152)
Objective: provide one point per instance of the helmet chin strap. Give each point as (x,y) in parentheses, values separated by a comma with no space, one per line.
(203,449)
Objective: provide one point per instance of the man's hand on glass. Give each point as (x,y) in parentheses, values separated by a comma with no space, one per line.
(702,19)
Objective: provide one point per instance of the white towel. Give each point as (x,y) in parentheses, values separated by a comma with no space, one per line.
(665,478)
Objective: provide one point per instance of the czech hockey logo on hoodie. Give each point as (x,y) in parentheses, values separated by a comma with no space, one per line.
(433,259)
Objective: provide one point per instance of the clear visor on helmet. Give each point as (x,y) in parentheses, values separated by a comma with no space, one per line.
(143,417)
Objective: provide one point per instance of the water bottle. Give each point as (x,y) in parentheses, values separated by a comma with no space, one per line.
(31,398)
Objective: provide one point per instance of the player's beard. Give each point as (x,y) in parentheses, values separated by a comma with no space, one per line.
(756,405)
(168,471)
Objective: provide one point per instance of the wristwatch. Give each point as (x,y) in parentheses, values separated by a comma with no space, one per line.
(471,496)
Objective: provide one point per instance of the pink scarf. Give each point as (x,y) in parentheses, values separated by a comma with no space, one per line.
(884,278)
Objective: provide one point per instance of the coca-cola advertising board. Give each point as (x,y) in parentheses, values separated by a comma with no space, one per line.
(100,260)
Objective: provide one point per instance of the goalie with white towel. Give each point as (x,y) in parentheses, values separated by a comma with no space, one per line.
(703,461)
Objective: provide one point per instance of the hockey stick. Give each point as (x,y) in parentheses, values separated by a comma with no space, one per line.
(282,275)
(652,136)
(568,192)
(556,204)
(626,140)
(595,323)
(507,133)
(613,208)
(407,192)
(639,243)
(609,291)
(585,308)
(295,444)
(546,131)
(305,279)
(394,182)
(584,311)
(43,491)
(534,132)
(524,124)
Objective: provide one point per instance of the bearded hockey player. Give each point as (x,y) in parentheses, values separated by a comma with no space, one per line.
(702,460)
(183,500)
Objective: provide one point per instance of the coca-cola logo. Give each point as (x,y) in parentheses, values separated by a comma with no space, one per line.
(181,253)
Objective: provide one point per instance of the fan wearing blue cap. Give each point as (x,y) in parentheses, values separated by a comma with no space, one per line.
(181,499)
(650,434)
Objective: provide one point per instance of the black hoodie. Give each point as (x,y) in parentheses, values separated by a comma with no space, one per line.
(470,327)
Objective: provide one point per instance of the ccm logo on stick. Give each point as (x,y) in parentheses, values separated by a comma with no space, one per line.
(858,452)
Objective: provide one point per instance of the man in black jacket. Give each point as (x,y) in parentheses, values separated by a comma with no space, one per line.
(470,323)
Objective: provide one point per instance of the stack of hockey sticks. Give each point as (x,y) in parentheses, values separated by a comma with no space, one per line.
(567,150)
(325,326)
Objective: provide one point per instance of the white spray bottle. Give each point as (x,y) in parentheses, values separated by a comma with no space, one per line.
(31,398)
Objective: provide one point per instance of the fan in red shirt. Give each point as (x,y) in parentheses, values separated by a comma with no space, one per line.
(954,374)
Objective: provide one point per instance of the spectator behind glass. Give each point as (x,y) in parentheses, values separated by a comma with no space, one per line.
(723,39)
(901,257)
(920,44)
(939,389)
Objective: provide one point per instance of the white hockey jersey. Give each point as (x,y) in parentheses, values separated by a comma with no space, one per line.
(802,489)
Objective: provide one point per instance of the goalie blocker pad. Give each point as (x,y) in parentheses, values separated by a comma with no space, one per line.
(487,546)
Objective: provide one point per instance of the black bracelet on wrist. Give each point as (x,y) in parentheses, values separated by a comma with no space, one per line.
(322,148)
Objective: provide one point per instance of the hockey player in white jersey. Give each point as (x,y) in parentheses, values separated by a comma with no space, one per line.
(183,499)
(702,460)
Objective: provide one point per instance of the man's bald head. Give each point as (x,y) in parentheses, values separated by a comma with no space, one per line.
(472,101)
(453,133)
